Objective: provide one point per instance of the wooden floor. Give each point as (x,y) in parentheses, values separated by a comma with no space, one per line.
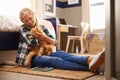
(10,55)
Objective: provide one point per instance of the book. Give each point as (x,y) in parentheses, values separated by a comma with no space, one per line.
(44,69)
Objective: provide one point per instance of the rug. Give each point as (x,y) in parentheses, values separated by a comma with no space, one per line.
(56,73)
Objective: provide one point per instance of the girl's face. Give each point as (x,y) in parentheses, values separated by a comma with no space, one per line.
(29,20)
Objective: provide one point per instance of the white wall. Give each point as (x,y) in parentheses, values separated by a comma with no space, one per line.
(85,11)
(72,15)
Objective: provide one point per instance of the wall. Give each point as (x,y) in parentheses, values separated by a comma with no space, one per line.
(37,6)
(72,15)
(85,11)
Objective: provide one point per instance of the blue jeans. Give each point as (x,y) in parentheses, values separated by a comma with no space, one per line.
(61,60)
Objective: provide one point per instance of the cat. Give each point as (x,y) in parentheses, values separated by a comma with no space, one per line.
(43,49)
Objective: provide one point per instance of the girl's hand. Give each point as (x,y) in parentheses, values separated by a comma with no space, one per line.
(41,37)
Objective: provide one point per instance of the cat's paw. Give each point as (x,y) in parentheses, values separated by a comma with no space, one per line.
(27,63)
(39,54)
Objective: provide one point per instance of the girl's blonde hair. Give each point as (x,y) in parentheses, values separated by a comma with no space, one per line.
(25,11)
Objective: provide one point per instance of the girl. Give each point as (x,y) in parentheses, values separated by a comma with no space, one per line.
(58,59)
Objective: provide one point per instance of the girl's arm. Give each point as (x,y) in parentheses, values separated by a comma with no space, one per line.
(45,38)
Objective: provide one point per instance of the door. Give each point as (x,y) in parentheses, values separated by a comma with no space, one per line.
(117,35)
(112,40)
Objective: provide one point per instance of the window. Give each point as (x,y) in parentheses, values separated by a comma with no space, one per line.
(12,7)
(97,14)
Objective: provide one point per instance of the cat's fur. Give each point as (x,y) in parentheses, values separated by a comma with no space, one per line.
(43,49)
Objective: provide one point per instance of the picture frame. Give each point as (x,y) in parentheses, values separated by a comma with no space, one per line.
(50,8)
